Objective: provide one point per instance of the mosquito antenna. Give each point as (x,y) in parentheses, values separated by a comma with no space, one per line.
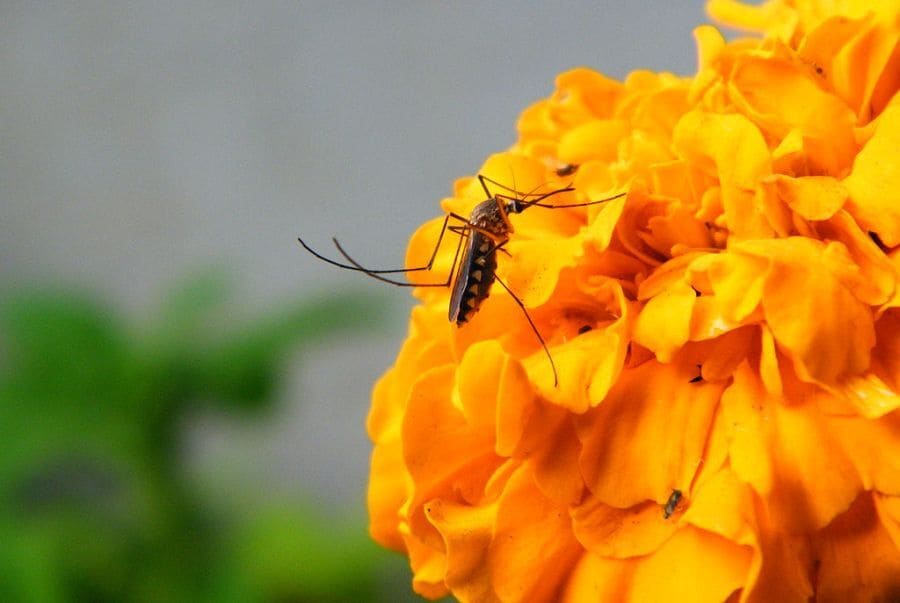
(533,328)
(483,179)
(536,201)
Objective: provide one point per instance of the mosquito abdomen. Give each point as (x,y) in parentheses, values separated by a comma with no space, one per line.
(476,275)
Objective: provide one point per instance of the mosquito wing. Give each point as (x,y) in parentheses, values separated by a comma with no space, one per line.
(474,277)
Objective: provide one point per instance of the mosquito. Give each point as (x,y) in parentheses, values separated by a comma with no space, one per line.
(487,231)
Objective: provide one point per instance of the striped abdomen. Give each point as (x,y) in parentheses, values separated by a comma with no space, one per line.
(476,274)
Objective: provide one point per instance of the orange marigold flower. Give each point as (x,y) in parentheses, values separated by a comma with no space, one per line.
(729,329)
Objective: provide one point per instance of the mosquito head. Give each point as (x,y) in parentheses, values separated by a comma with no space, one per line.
(515,206)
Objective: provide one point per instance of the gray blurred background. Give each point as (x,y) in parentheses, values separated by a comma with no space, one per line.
(141,141)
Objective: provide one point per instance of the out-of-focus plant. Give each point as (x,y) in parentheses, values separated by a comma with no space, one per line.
(94,502)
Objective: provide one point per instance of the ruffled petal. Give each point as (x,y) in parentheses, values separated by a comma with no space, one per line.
(856,558)
(874,182)
(692,566)
(782,451)
(653,412)
(732,148)
(620,533)
(529,526)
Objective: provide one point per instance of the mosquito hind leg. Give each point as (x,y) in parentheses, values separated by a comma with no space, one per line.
(527,317)
(427,266)
(462,231)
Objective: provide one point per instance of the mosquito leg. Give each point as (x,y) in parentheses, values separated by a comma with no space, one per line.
(533,328)
(490,235)
(394,271)
(460,230)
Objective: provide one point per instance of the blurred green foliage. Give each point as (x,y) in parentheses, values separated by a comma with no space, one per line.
(94,502)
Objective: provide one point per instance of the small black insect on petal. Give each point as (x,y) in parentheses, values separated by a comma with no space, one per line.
(671,504)
(877,240)
(699,376)
(566,170)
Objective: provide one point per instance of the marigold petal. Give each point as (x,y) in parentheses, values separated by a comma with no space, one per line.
(887,349)
(789,157)
(596,92)
(600,579)
(677,231)
(535,273)
(721,355)
(585,374)
(594,140)
(828,331)
(889,513)
(599,232)
(813,197)
(871,446)
(388,489)
(731,147)
(429,567)
(726,506)
(780,571)
(555,465)
(874,182)
(723,505)
(780,95)
(529,526)
(438,441)
(856,558)
(620,533)
(870,275)
(467,532)
(771,15)
(870,396)
(667,275)
(710,44)
(692,566)
(477,385)
(768,364)
(737,281)
(421,351)
(664,323)
(782,451)
(678,179)
(860,61)
(516,405)
(653,412)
